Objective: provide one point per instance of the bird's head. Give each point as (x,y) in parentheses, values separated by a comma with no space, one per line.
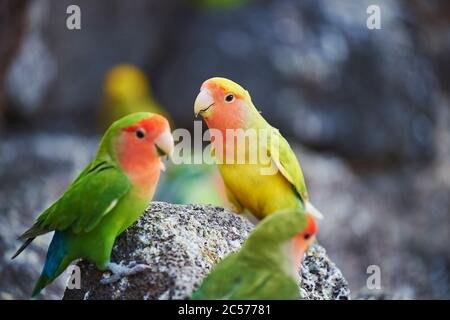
(306,237)
(138,139)
(301,242)
(125,82)
(222,101)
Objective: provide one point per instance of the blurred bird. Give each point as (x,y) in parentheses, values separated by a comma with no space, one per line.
(192,183)
(267,266)
(127,90)
(218,4)
(226,106)
(106,198)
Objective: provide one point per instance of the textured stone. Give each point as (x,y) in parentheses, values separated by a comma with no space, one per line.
(181,243)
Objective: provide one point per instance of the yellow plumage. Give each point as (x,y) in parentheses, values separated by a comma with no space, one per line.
(127,90)
(247,186)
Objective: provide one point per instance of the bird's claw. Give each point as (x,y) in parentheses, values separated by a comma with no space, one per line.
(118,271)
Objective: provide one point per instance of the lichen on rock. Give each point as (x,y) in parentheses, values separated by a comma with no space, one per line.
(181,243)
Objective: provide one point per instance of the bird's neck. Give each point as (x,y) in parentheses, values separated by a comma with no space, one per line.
(143,173)
(295,252)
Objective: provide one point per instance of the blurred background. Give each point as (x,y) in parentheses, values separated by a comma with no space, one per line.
(367,112)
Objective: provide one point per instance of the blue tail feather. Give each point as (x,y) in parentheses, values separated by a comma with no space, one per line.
(53,262)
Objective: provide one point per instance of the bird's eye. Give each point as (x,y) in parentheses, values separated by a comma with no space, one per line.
(307,236)
(229,97)
(140,133)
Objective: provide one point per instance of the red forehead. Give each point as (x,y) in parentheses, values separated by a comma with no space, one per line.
(155,123)
(311,225)
(217,90)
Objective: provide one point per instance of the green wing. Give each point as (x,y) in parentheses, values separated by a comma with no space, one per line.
(221,281)
(95,192)
(287,163)
(232,279)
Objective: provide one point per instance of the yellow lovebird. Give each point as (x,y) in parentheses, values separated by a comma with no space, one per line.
(273,181)
(126,90)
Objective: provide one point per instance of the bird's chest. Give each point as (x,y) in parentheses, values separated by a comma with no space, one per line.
(127,212)
(257,191)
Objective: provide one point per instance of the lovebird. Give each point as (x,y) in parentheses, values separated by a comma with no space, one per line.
(106,198)
(227,107)
(267,266)
(192,184)
(126,90)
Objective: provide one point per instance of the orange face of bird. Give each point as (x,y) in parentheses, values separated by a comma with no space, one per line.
(223,104)
(140,146)
(309,233)
(303,240)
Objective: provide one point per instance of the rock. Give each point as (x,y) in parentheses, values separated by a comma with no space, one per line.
(36,168)
(181,243)
(321,279)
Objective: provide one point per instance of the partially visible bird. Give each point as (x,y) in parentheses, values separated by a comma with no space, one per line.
(259,187)
(218,4)
(267,266)
(192,183)
(107,197)
(126,89)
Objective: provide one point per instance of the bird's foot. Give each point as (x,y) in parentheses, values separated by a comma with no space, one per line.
(118,271)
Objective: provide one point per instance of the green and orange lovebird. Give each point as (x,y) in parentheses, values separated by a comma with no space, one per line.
(259,187)
(267,266)
(106,198)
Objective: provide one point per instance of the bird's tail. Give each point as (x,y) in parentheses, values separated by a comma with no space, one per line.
(23,247)
(55,263)
(309,208)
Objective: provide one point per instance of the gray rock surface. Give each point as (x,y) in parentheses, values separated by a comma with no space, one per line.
(396,219)
(181,243)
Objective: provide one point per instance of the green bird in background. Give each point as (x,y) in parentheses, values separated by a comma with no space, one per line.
(192,183)
(126,89)
(218,4)
(107,197)
(267,266)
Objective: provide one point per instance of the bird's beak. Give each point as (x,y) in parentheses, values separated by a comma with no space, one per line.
(164,144)
(203,102)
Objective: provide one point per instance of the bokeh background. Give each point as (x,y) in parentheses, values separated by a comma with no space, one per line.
(367,112)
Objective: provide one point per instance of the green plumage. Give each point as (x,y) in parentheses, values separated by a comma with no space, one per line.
(263,268)
(190,184)
(93,195)
(95,209)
